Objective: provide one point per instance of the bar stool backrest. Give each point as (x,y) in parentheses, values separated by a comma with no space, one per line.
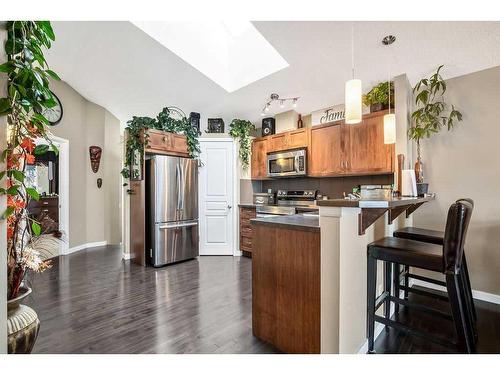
(455,233)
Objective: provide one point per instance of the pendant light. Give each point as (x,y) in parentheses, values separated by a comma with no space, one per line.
(353,93)
(390,118)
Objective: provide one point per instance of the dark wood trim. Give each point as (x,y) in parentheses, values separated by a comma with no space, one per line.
(395,212)
(412,209)
(367,217)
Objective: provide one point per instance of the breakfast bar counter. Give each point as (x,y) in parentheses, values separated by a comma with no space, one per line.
(309,272)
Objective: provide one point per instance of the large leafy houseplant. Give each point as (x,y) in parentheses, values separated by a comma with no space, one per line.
(241,129)
(170,119)
(432,113)
(28,94)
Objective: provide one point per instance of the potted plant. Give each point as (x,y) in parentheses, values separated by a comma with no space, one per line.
(378,97)
(431,115)
(28,94)
(241,129)
(170,119)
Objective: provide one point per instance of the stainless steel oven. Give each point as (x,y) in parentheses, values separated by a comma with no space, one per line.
(287,163)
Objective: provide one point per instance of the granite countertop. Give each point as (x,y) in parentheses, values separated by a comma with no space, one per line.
(298,208)
(299,221)
(374,203)
(247,205)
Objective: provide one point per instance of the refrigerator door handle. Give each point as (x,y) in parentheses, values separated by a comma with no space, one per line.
(178,225)
(181,188)
(178,178)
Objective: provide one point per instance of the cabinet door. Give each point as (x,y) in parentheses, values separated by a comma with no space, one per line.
(259,158)
(297,138)
(278,142)
(365,149)
(325,152)
(166,143)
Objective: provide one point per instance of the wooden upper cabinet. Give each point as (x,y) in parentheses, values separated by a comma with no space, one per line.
(298,138)
(278,142)
(288,140)
(161,142)
(325,152)
(259,158)
(365,151)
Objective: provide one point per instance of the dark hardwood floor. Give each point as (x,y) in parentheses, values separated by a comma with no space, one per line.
(93,302)
(394,341)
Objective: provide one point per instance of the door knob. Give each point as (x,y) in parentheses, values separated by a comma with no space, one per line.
(229,206)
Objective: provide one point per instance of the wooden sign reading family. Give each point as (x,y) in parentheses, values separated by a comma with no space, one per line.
(335,113)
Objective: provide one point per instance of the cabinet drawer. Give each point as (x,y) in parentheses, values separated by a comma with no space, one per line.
(245,243)
(246,231)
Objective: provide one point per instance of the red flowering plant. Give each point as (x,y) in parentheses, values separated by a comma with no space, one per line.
(28,95)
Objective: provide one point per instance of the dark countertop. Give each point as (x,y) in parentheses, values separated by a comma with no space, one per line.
(298,221)
(375,203)
(298,208)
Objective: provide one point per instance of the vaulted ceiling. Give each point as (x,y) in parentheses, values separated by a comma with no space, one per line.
(119,67)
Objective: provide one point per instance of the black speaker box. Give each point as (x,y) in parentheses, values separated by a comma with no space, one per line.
(268,126)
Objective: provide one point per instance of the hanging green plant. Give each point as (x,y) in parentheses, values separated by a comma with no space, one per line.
(137,139)
(241,129)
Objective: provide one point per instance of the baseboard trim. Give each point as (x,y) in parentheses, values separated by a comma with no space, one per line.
(85,246)
(126,256)
(477,294)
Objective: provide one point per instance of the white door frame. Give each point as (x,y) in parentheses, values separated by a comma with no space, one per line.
(63,147)
(235,186)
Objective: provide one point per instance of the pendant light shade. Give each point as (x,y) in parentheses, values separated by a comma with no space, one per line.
(390,129)
(353,102)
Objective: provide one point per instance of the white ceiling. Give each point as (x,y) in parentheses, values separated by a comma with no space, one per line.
(119,67)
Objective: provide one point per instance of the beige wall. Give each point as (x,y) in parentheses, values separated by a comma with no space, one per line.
(94,213)
(465,163)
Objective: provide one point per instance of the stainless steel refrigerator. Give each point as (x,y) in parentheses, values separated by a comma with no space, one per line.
(171,209)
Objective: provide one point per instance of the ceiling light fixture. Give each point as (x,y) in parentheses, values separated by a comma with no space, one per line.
(353,93)
(390,118)
(282,101)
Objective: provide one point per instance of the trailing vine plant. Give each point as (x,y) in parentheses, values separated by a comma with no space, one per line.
(28,94)
(241,129)
(137,139)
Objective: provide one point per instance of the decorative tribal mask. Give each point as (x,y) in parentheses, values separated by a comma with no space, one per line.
(95,157)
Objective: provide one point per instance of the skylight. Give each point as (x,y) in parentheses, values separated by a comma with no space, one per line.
(233,54)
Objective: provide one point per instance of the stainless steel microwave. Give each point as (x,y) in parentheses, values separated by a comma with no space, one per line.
(287,163)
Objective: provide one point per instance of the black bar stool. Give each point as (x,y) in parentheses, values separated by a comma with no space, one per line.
(437,237)
(445,258)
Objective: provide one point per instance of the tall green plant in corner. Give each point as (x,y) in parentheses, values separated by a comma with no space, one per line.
(28,94)
(241,129)
(432,113)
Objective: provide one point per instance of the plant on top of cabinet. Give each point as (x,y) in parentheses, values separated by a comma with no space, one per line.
(138,137)
(378,97)
(432,113)
(241,129)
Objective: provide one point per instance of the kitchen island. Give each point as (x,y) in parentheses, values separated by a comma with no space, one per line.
(309,275)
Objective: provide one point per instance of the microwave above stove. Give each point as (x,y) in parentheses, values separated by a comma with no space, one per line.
(289,163)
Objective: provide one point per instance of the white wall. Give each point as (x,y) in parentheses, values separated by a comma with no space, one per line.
(465,163)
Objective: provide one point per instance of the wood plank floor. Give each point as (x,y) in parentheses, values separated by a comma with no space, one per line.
(394,341)
(93,302)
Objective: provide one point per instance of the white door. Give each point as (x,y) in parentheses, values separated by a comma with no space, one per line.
(216,197)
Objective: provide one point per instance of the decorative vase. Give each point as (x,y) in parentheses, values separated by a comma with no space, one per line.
(422,189)
(419,171)
(22,324)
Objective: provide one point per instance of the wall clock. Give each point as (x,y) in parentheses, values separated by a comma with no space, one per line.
(55,113)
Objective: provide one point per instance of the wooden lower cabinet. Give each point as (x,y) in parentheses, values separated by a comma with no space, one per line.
(286,288)
(246,214)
